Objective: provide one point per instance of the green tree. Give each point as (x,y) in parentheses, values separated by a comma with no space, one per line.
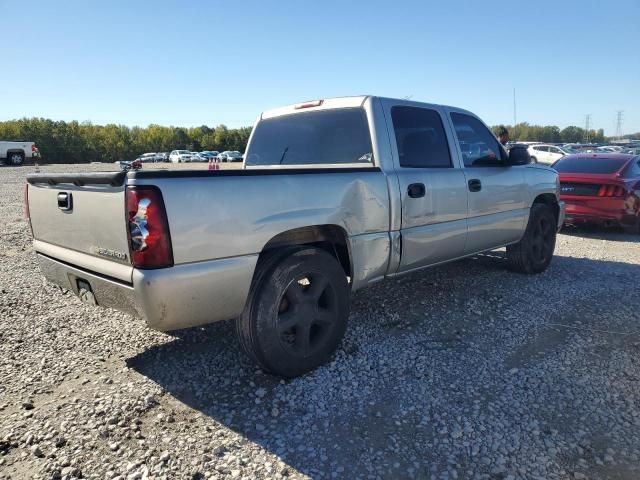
(73,142)
(572,134)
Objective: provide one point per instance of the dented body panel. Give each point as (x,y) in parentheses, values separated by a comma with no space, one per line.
(236,215)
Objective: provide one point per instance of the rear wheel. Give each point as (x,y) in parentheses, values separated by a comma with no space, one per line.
(298,313)
(533,253)
(16,158)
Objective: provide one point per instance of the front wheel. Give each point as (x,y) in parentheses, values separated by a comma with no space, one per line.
(534,160)
(533,253)
(297,314)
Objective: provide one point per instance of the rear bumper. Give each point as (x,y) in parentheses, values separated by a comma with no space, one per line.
(611,213)
(167,299)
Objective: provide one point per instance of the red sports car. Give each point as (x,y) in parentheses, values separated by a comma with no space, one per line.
(602,188)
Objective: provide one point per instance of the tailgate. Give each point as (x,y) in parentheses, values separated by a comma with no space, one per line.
(85,215)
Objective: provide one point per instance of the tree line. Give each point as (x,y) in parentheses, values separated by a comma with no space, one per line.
(75,142)
(524,132)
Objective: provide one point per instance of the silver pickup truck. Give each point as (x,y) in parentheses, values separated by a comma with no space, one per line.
(334,195)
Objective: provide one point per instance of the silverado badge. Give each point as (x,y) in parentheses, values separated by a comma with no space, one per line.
(108,252)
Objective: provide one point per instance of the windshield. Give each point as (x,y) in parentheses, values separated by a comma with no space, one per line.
(312,138)
(184,152)
(589,165)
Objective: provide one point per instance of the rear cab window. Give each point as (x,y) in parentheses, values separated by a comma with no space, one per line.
(325,137)
(478,145)
(420,138)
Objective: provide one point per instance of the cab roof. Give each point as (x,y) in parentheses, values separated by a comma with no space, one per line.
(341,102)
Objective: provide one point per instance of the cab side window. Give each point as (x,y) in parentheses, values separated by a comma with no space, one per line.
(478,145)
(420,137)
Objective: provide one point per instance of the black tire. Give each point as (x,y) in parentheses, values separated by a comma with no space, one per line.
(534,160)
(633,229)
(533,253)
(15,158)
(289,326)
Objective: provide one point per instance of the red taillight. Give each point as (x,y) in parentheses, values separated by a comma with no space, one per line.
(25,206)
(148,229)
(611,191)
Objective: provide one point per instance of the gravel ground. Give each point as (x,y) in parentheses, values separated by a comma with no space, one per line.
(461,371)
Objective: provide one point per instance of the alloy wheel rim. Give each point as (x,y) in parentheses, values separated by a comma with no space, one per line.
(542,240)
(306,314)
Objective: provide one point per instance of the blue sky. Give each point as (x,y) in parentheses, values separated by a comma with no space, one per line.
(204,62)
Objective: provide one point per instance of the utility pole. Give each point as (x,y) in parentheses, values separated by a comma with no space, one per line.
(587,121)
(514,107)
(619,124)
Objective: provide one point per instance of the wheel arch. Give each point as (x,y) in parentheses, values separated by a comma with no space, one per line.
(16,150)
(331,238)
(550,200)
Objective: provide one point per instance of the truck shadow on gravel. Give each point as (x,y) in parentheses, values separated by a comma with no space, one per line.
(413,345)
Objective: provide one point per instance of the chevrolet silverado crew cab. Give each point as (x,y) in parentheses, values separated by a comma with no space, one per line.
(334,195)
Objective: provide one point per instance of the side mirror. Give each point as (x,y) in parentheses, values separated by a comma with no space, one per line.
(518,155)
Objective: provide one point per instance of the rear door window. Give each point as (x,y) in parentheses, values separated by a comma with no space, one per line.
(420,138)
(478,145)
(312,138)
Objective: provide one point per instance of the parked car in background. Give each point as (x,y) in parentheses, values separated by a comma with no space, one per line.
(365,199)
(230,156)
(148,157)
(162,157)
(601,188)
(610,149)
(180,156)
(209,155)
(197,157)
(16,153)
(547,154)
